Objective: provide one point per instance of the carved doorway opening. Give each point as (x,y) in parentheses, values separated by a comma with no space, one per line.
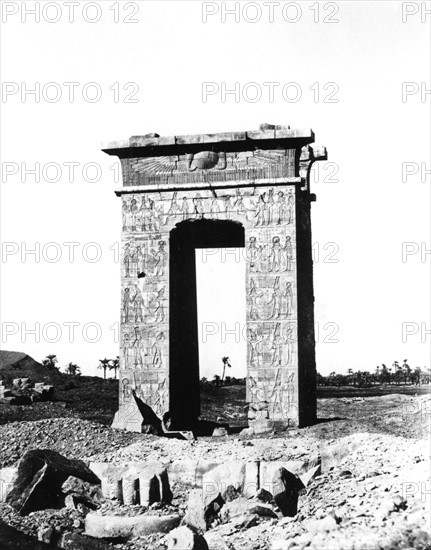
(185,238)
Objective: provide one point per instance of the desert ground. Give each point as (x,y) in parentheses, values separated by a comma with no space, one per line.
(371,491)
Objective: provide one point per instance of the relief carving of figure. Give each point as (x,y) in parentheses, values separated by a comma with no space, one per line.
(156,306)
(277,208)
(253,255)
(240,206)
(156,352)
(214,207)
(227,206)
(262,214)
(160,258)
(126,305)
(287,300)
(277,347)
(198,206)
(255,348)
(185,208)
(127,259)
(161,394)
(275,255)
(277,395)
(253,296)
(133,214)
(138,306)
(289,209)
(275,301)
(125,214)
(288,254)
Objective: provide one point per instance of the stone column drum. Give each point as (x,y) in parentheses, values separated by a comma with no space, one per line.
(248,189)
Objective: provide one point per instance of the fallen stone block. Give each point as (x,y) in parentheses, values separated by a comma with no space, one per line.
(218,480)
(113,527)
(86,493)
(184,538)
(241,507)
(220,432)
(39,478)
(7,476)
(200,514)
(308,476)
(12,539)
(16,400)
(286,487)
(77,541)
(135,483)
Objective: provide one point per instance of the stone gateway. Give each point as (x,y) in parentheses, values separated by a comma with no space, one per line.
(242,189)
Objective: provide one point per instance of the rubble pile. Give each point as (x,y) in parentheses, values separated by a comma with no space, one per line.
(25,392)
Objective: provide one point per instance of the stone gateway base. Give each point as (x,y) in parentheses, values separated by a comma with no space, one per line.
(244,189)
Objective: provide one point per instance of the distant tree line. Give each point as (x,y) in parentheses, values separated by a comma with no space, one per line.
(51,363)
(397,374)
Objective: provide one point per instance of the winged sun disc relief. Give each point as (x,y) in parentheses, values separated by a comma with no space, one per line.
(205,160)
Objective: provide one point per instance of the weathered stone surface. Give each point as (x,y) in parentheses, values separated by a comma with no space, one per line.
(220,432)
(309,475)
(184,538)
(195,513)
(7,476)
(218,480)
(286,487)
(202,511)
(38,481)
(265,209)
(77,541)
(242,506)
(135,482)
(12,539)
(124,527)
(45,534)
(87,493)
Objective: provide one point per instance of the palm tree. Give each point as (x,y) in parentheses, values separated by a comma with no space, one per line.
(73,369)
(225,364)
(114,364)
(104,364)
(50,362)
(407,372)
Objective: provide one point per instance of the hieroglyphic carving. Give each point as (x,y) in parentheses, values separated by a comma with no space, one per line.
(268,215)
(211,166)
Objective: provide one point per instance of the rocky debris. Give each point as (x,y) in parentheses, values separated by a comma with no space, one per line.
(24,392)
(201,510)
(82,492)
(183,538)
(123,527)
(12,539)
(243,507)
(78,541)
(378,466)
(72,437)
(229,478)
(220,432)
(286,487)
(39,479)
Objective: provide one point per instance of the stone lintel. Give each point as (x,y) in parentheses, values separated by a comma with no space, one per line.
(153,145)
(202,186)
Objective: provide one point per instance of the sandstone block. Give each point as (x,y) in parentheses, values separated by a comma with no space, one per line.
(184,538)
(124,527)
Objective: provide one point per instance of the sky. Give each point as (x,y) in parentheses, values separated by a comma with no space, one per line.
(357,73)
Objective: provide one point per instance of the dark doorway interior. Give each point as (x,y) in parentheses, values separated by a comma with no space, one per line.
(183,322)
